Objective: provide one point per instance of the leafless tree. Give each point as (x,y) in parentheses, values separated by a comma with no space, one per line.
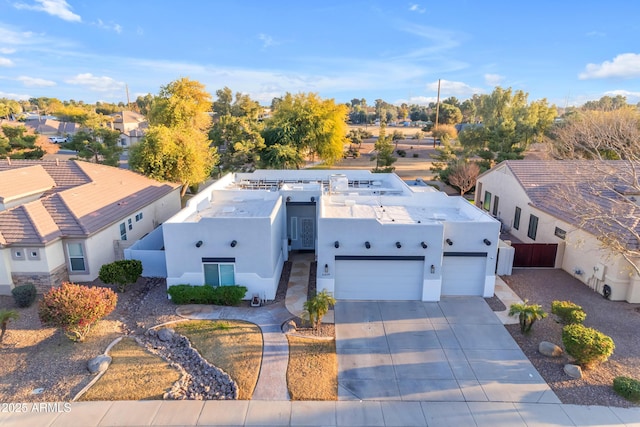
(464,176)
(609,205)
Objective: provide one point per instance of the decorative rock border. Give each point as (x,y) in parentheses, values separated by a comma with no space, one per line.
(199,379)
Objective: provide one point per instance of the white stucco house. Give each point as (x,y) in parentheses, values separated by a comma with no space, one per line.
(374,236)
(541,205)
(62,220)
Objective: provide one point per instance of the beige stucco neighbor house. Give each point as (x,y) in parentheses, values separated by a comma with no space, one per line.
(131,125)
(62,220)
(543,201)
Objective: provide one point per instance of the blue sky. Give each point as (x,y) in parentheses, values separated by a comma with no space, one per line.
(91,50)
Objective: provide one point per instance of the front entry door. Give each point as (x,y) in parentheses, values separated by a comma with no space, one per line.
(307,235)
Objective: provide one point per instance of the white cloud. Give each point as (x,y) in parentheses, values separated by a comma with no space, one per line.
(111,26)
(35,82)
(59,8)
(449,88)
(95,83)
(6,62)
(596,34)
(493,79)
(7,50)
(16,96)
(626,65)
(266,39)
(632,97)
(419,100)
(416,8)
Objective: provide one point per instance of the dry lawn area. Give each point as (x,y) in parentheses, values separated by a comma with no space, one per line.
(134,374)
(312,373)
(233,346)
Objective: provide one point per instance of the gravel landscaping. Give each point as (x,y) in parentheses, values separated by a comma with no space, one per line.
(617,319)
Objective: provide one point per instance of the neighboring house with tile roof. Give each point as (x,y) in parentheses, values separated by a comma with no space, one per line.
(52,127)
(62,220)
(557,202)
(131,126)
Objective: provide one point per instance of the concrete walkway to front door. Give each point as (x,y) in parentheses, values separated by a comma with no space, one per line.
(455,350)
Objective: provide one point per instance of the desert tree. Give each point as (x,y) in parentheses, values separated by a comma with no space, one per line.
(463,175)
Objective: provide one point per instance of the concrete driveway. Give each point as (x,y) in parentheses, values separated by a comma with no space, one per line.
(453,350)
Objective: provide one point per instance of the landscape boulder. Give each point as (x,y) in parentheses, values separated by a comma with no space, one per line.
(166,334)
(99,363)
(289,326)
(549,349)
(574,371)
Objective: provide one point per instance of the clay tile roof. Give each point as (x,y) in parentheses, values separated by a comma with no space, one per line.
(568,189)
(24,182)
(86,198)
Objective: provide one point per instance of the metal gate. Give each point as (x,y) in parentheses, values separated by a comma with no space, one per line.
(535,254)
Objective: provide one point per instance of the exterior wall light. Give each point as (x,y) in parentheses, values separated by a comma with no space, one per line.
(424,245)
(398,245)
(433,269)
(487,242)
(198,243)
(336,244)
(313,199)
(234,243)
(367,245)
(326,269)
(288,199)
(449,242)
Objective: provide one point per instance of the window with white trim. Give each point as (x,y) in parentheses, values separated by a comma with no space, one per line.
(123,231)
(18,254)
(139,217)
(77,261)
(219,274)
(130,223)
(34,254)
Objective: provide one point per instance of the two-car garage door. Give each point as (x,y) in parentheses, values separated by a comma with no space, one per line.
(402,278)
(384,278)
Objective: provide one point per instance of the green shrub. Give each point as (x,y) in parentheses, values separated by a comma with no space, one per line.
(401,153)
(229,295)
(587,345)
(6,316)
(76,308)
(629,388)
(207,294)
(24,295)
(415,155)
(568,312)
(317,307)
(121,273)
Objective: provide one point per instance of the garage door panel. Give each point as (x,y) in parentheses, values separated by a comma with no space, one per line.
(379,280)
(463,275)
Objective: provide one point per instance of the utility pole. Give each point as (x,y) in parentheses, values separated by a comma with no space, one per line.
(435,125)
(437,106)
(128,101)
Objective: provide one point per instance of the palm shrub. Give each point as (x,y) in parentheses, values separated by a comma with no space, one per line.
(5,317)
(568,312)
(76,308)
(527,314)
(317,307)
(24,295)
(586,345)
(627,387)
(121,273)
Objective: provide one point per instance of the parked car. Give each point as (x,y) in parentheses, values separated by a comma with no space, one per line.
(58,139)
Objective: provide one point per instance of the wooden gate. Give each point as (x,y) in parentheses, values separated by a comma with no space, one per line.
(535,254)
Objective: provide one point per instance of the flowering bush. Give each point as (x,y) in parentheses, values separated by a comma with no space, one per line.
(76,308)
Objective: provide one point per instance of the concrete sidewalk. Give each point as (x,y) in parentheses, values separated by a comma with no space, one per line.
(304,413)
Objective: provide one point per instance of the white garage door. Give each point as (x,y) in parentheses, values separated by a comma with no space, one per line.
(379,279)
(463,275)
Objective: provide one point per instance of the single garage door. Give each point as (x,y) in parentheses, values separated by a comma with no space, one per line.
(463,275)
(381,279)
